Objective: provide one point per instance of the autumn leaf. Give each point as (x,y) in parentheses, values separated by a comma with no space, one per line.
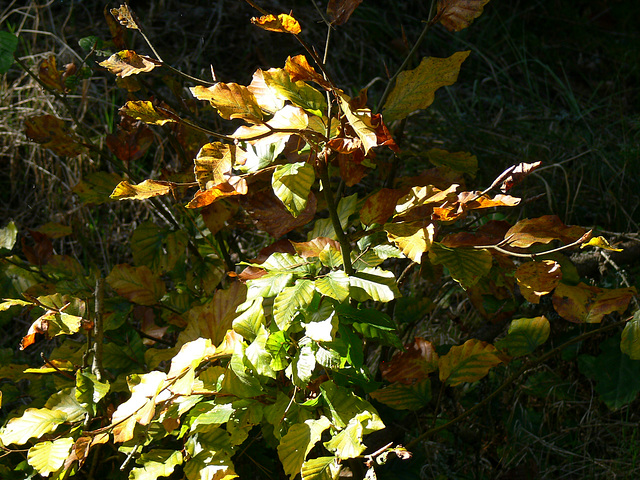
(147,189)
(339,11)
(600,242)
(466,265)
(137,284)
(412,365)
(231,101)
(271,216)
(415,89)
(542,230)
(412,238)
(299,93)
(49,75)
(283,23)
(361,122)
(519,173)
(537,279)
(456,15)
(125,16)
(380,206)
(233,186)
(586,304)
(148,112)
(128,62)
(52,133)
(130,145)
(459,161)
(213,161)
(468,363)
(524,336)
(314,247)
(299,69)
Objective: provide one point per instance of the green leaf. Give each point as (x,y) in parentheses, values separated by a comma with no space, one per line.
(157,248)
(89,391)
(8,236)
(415,89)
(65,401)
(303,364)
(261,154)
(321,468)
(96,188)
(466,265)
(335,285)
(290,301)
(48,457)
(248,323)
(324,228)
(320,325)
(348,443)
(343,405)
(209,413)
(292,183)
(146,112)
(34,422)
(525,335)
(156,463)
(298,442)
(299,93)
(8,45)
(630,342)
(373,284)
(277,345)
(468,363)
(210,465)
(617,376)
(404,397)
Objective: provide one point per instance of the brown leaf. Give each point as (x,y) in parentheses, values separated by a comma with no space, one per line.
(271,216)
(314,247)
(542,230)
(49,75)
(536,279)
(39,326)
(380,206)
(352,169)
(215,216)
(52,133)
(283,23)
(339,11)
(128,62)
(213,161)
(115,29)
(41,253)
(147,112)
(130,145)
(456,15)
(519,173)
(413,365)
(137,284)
(125,16)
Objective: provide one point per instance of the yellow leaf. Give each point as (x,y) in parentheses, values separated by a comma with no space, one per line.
(148,113)
(212,162)
(128,62)
(600,242)
(49,74)
(147,189)
(415,89)
(536,279)
(412,238)
(283,23)
(231,100)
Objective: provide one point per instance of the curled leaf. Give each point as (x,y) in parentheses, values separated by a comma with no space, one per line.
(147,189)
(49,75)
(456,15)
(128,62)
(283,23)
(600,242)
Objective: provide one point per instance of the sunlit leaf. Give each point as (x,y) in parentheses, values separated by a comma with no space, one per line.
(234,186)
(230,100)
(373,284)
(34,422)
(519,173)
(335,285)
(344,405)
(213,161)
(298,442)
(468,363)
(291,300)
(299,69)
(125,16)
(600,242)
(283,23)
(466,265)
(156,463)
(321,468)
(267,97)
(412,238)
(347,443)
(586,304)
(537,279)
(380,206)
(48,457)
(324,227)
(299,93)
(415,89)
(456,15)
(128,62)
(137,284)
(210,465)
(89,391)
(361,121)
(525,335)
(291,183)
(8,237)
(147,189)
(149,113)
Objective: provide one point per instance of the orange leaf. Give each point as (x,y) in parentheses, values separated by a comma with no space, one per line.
(130,145)
(314,247)
(283,23)
(542,230)
(148,112)
(456,15)
(412,365)
(352,169)
(339,11)
(536,279)
(234,186)
(299,69)
(49,75)
(213,161)
(587,304)
(128,62)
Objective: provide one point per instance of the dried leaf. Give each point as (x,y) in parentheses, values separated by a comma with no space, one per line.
(128,62)
(380,206)
(272,217)
(231,101)
(339,11)
(148,112)
(52,133)
(412,365)
(542,230)
(456,15)
(536,279)
(234,186)
(587,304)
(283,23)
(519,173)
(415,89)
(50,76)
(125,16)
(130,145)
(299,69)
